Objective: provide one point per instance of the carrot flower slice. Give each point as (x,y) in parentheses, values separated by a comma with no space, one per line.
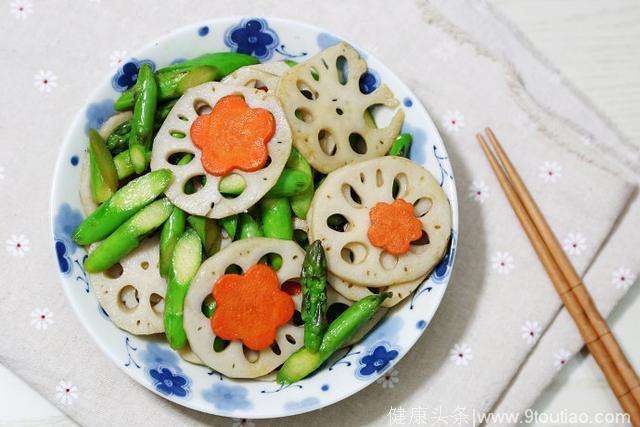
(250,307)
(393,226)
(233,136)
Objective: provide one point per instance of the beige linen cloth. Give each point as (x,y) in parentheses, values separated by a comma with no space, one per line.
(499,331)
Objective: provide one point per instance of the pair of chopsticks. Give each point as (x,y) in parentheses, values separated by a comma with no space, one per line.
(594,329)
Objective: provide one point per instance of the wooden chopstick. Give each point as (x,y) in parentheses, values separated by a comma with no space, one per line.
(569,286)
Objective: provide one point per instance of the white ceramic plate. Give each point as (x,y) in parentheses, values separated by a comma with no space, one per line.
(150,361)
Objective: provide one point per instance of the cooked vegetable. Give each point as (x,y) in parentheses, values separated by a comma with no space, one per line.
(171,85)
(121,206)
(124,167)
(230,225)
(162,111)
(232,185)
(394,226)
(250,307)
(185,262)
(233,136)
(104,177)
(276,223)
(209,232)
(300,203)
(128,236)
(144,111)
(303,362)
(172,231)
(313,280)
(225,62)
(290,183)
(118,141)
(208,306)
(402,145)
(248,227)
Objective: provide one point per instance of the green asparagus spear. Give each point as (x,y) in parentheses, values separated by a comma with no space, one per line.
(209,232)
(232,184)
(121,206)
(303,362)
(118,141)
(101,163)
(248,227)
(225,62)
(290,183)
(128,236)
(185,262)
(172,230)
(230,225)
(143,116)
(171,85)
(313,281)
(124,166)
(276,223)
(301,203)
(402,145)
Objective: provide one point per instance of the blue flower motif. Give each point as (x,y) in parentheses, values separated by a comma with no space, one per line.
(442,270)
(62,255)
(203,31)
(389,327)
(307,403)
(65,223)
(376,360)
(227,397)
(369,81)
(127,74)
(253,37)
(154,355)
(169,383)
(98,113)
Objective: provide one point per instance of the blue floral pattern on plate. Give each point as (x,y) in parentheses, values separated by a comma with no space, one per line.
(376,360)
(227,397)
(253,37)
(98,113)
(170,383)
(127,74)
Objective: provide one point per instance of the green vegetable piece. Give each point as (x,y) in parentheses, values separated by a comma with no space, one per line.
(313,281)
(208,306)
(162,112)
(290,62)
(209,232)
(124,167)
(290,183)
(401,146)
(128,236)
(230,225)
(248,227)
(171,85)
(301,203)
(303,362)
(232,184)
(100,191)
(225,62)
(121,206)
(301,238)
(276,223)
(185,262)
(172,230)
(118,141)
(103,162)
(143,118)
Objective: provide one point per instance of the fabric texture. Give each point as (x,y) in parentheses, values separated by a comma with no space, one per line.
(499,302)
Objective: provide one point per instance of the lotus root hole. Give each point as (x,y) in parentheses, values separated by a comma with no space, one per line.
(207,302)
(354,253)
(233,269)
(177,134)
(304,115)
(175,158)
(307,91)
(314,73)
(379,178)
(358,143)
(297,318)
(183,117)
(128,298)
(273,257)
(400,186)
(157,303)
(201,107)
(388,261)
(114,271)
(232,186)
(422,206)
(290,339)
(338,222)
(194,184)
(335,310)
(276,348)
(342,67)
(351,196)
(327,143)
(252,356)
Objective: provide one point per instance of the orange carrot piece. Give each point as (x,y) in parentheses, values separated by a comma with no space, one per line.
(393,226)
(233,136)
(250,307)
